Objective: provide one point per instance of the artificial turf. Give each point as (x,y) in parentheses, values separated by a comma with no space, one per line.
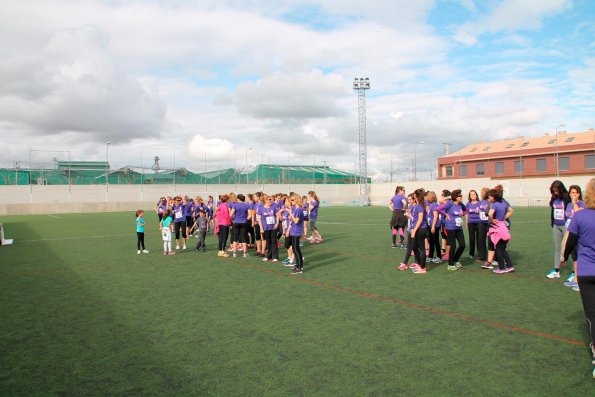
(83,314)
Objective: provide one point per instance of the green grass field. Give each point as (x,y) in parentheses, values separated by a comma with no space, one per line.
(83,314)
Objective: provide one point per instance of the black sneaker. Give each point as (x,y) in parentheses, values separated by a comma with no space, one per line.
(295,270)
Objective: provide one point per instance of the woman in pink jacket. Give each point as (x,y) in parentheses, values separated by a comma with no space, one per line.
(223,221)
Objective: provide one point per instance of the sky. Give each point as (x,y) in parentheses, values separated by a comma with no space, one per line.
(229,83)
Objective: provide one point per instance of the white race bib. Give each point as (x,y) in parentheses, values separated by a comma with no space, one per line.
(178,214)
(558,214)
(270,220)
(482,216)
(459,222)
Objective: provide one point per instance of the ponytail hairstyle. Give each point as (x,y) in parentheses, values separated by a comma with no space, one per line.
(312,194)
(419,196)
(398,189)
(496,194)
(455,194)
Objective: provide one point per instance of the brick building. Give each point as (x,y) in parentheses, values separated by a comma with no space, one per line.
(523,157)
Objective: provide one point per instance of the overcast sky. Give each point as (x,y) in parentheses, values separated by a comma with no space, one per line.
(179,79)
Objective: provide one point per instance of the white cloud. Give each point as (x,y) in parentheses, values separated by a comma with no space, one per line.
(511,15)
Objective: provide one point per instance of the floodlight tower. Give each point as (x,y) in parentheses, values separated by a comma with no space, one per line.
(361,85)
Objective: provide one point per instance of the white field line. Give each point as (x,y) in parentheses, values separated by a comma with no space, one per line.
(54,216)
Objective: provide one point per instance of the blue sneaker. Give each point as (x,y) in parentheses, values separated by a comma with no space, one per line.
(571,277)
(570,283)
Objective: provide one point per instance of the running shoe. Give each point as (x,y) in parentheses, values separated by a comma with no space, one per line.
(394,246)
(458,265)
(576,288)
(499,271)
(171,253)
(414,266)
(184,248)
(437,260)
(165,253)
(297,271)
(220,253)
(177,247)
(275,260)
(570,283)
(265,259)
(138,252)
(487,265)
(288,264)
(235,255)
(245,255)
(453,267)
(553,274)
(402,266)
(419,270)
(571,277)
(509,269)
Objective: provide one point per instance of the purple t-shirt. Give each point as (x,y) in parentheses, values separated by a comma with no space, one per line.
(241,212)
(162,208)
(431,210)
(267,216)
(583,225)
(178,211)
(416,212)
(483,211)
(559,212)
(305,208)
(499,209)
(570,210)
(473,212)
(398,202)
(297,228)
(189,209)
(455,214)
(314,211)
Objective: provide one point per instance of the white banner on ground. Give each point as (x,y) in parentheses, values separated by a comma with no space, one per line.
(2,240)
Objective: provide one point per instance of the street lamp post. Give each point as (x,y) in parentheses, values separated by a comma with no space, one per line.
(246,168)
(415,160)
(106,169)
(557,164)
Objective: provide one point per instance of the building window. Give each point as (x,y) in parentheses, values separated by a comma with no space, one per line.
(485,149)
(474,149)
(509,145)
(463,169)
(551,141)
(448,170)
(563,164)
(569,139)
(479,169)
(525,144)
(499,167)
(518,166)
(541,165)
(590,161)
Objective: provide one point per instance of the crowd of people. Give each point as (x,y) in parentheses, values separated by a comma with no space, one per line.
(241,222)
(428,226)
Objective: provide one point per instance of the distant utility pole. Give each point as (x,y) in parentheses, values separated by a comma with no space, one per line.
(361,85)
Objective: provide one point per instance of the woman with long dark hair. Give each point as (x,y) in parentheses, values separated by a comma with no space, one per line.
(558,202)
(398,205)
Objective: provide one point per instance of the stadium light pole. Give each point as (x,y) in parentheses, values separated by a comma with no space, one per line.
(246,168)
(361,85)
(415,160)
(106,169)
(557,155)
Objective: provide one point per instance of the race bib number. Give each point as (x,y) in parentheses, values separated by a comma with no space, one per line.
(558,214)
(178,214)
(270,220)
(459,222)
(305,212)
(483,216)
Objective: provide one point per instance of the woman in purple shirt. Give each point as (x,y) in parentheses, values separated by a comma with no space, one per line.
(581,232)
(267,219)
(313,217)
(499,213)
(576,204)
(482,254)
(398,205)
(239,214)
(453,212)
(419,228)
(558,202)
(296,229)
(434,226)
(473,222)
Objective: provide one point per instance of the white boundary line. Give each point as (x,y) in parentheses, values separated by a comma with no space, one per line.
(72,238)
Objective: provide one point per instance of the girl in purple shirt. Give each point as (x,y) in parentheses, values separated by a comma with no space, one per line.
(434,228)
(267,220)
(558,202)
(398,205)
(473,222)
(418,229)
(296,229)
(483,227)
(581,232)
(499,212)
(453,212)
(576,204)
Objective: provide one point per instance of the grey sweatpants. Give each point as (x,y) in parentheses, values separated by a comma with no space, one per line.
(558,233)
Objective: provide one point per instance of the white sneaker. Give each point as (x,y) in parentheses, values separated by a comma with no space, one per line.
(553,274)
(138,252)
(145,252)
(184,247)
(177,247)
